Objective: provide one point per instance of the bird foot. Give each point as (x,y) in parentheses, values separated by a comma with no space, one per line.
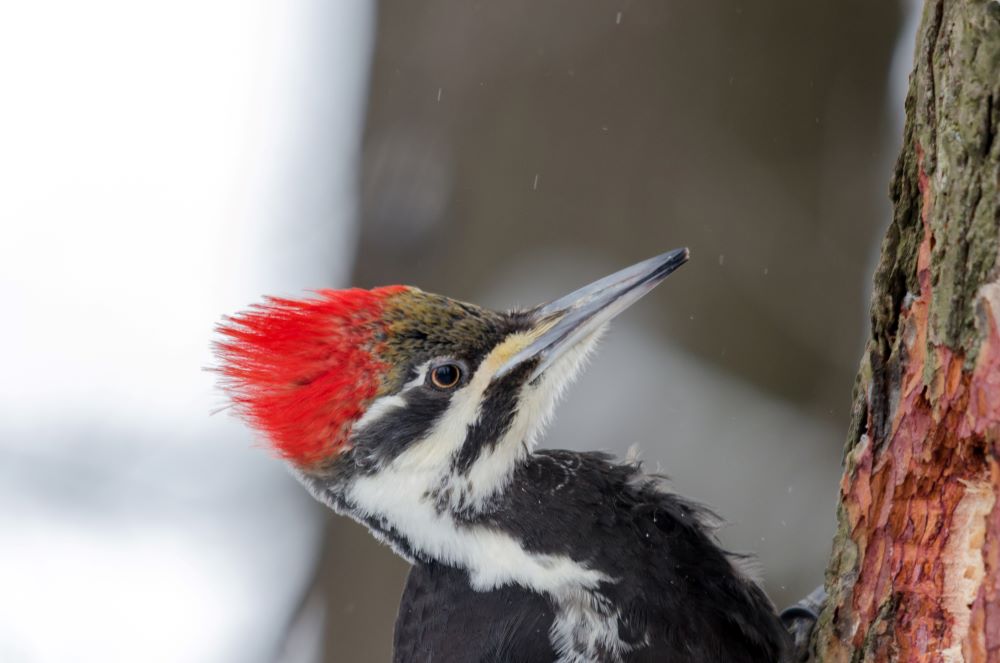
(800,619)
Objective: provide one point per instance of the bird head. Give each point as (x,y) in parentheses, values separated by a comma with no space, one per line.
(398,385)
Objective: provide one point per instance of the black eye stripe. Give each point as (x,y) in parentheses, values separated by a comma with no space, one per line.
(498,409)
(397,429)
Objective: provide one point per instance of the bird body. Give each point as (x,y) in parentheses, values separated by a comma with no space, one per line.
(418,416)
(576,514)
(442,619)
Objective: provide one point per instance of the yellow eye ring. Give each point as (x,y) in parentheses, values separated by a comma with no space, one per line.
(446,376)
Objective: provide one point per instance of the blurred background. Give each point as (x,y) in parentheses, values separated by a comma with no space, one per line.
(166,163)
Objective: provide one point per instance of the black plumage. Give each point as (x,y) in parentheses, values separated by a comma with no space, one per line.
(443,620)
(680,597)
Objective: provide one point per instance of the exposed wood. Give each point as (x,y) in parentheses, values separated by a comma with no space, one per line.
(915,570)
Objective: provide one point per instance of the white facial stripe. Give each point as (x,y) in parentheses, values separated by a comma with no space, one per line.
(492,470)
(448,434)
(378,409)
(433,456)
(380,406)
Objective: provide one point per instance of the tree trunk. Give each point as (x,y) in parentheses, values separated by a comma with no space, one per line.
(915,570)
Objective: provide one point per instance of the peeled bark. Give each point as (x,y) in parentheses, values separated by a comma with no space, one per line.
(915,570)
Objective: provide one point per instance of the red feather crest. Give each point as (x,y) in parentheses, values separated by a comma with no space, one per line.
(303,371)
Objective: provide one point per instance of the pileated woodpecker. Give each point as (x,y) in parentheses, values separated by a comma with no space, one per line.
(418,416)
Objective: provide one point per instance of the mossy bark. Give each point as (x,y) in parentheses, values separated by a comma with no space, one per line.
(915,570)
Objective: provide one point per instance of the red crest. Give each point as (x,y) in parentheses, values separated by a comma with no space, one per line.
(303,371)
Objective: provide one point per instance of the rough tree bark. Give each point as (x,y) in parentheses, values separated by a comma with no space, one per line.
(915,570)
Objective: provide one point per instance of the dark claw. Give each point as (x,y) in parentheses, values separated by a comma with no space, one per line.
(801,618)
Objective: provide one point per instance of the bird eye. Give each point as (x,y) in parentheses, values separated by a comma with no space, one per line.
(446,376)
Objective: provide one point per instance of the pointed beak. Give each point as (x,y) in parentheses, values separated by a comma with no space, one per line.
(570,319)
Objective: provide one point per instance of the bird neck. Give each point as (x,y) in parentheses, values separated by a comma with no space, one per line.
(424,513)
(424,527)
